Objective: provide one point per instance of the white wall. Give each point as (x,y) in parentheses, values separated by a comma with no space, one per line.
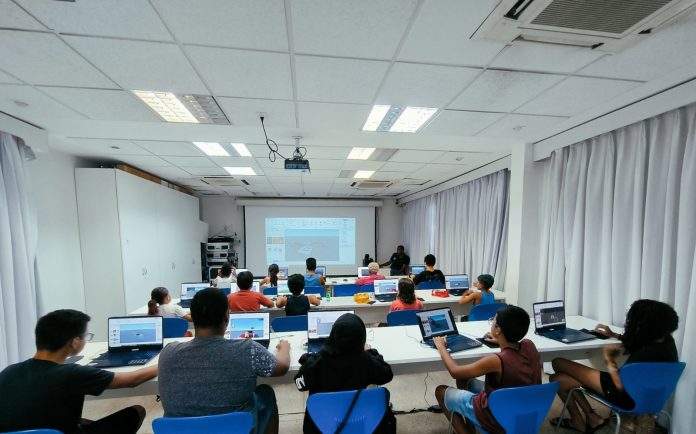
(389,231)
(52,178)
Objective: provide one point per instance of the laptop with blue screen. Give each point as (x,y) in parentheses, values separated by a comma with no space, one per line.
(319,324)
(440,322)
(386,290)
(250,325)
(457,284)
(188,290)
(550,322)
(132,340)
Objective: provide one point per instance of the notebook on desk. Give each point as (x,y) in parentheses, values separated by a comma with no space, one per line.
(319,324)
(440,322)
(386,290)
(250,325)
(188,290)
(550,322)
(132,340)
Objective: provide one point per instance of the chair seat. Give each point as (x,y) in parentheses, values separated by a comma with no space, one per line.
(230,423)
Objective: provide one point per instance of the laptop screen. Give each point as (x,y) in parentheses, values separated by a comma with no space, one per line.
(321,270)
(319,323)
(363,271)
(283,287)
(133,332)
(188,290)
(255,286)
(549,313)
(459,281)
(416,269)
(283,272)
(252,325)
(436,322)
(387,286)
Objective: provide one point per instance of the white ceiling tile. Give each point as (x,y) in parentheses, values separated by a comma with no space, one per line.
(366,192)
(338,80)
(327,164)
(503,91)
(42,58)
(103,104)
(239,24)
(175,149)
(327,153)
(516,126)
(266,188)
(575,95)
(14,17)
(362,165)
(313,179)
(350,28)
(242,73)
(463,158)
(190,161)
(411,156)
(138,65)
(401,167)
(263,160)
(245,112)
(206,171)
(235,161)
(129,19)
(460,123)
(105,147)
(442,30)
(39,109)
(321,172)
(441,170)
(416,85)
(388,176)
(6,78)
(141,160)
(332,116)
(537,56)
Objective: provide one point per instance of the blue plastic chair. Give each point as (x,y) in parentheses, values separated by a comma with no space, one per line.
(289,323)
(402,317)
(649,384)
(273,290)
(328,409)
(483,312)
(316,290)
(435,284)
(174,327)
(36,431)
(230,423)
(347,290)
(520,410)
(367,288)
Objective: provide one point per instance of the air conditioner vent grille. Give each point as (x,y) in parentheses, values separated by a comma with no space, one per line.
(373,184)
(606,16)
(223,181)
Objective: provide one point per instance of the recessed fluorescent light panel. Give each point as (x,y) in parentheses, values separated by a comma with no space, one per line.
(397,119)
(241,149)
(212,149)
(197,109)
(360,153)
(240,171)
(363,174)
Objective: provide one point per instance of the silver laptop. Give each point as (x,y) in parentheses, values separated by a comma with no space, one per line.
(319,325)
(189,290)
(386,289)
(250,325)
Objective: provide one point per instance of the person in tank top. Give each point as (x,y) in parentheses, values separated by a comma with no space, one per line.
(483,283)
(297,303)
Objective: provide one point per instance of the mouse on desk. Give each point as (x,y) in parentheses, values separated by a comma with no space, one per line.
(420,298)
(345,280)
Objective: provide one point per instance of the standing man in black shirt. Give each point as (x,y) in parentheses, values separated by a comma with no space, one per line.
(398,262)
(44,392)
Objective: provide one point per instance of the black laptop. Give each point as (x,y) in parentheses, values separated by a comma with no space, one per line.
(250,325)
(133,340)
(550,322)
(188,290)
(386,290)
(319,324)
(440,322)
(457,284)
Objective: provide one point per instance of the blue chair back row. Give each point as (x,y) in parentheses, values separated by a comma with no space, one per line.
(328,409)
(36,431)
(436,284)
(314,290)
(174,327)
(289,323)
(482,312)
(230,423)
(402,317)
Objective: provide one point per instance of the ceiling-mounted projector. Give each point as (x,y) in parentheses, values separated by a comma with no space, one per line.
(297,164)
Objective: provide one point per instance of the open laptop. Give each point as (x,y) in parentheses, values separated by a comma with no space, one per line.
(550,322)
(363,272)
(250,325)
(283,287)
(440,322)
(386,290)
(319,324)
(188,290)
(283,272)
(255,286)
(321,270)
(132,340)
(416,269)
(456,284)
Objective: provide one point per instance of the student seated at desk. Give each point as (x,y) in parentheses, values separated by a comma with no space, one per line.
(226,277)
(271,281)
(517,364)
(647,337)
(406,298)
(246,300)
(45,392)
(312,278)
(483,283)
(213,375)
(372,268)
(345,362)
(430,274)
(297,303)
(161,304)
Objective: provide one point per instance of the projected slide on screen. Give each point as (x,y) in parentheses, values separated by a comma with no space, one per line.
(290,241)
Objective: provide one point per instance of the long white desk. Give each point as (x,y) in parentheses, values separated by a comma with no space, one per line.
(400,346)
(372,313)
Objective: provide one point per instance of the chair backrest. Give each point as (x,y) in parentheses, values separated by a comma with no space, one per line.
(271,290)
(482,312)
(521,410)
(347,290)
(435,284)
(174,327)
(650,384)
(367,288)
(328,409)
(402,317)
(317,290)
(289,323)
(230,423)
(36,431)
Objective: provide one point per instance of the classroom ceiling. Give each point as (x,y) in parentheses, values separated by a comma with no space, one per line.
(315,68)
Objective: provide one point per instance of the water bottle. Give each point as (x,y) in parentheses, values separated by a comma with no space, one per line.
(328,295)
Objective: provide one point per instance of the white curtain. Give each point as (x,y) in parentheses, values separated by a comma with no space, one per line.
(18,238)
(619,224)
(465,227)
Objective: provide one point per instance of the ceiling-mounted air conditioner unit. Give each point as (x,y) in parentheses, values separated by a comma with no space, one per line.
(605,25)
(371,184)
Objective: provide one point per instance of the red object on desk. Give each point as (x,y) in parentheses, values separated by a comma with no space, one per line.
(440,293)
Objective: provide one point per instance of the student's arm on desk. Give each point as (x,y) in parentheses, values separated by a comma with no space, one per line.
(281,301)
(322,280)
(282,359)
(468,298)
(313,300)
(132,379)
(480,367)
